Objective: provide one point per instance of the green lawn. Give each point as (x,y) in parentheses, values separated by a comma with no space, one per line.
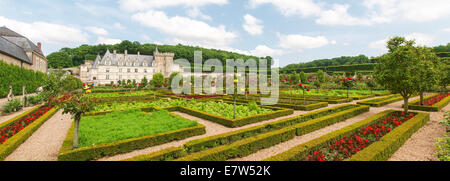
(120,125)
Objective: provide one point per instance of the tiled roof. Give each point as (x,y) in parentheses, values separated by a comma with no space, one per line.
(19,40)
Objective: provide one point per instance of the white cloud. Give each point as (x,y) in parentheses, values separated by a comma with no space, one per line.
(263,50)
(303,8)
(186,30)
(108,41)
(195,12)
(421,39)
(141,5)
(299,42)
(44,32)
(119,26)
(252,25)
(446,30)
(97,30)
(338,15)
(411,10)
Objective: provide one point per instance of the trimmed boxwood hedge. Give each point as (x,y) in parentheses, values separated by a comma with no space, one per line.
(382,100)
(277,127)
(434,108)
(253,144)
(162,155)
(67,153)
(383,151)
(308,107)
(15,141)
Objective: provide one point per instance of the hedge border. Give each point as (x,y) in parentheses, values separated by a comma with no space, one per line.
(374,103)
(308,107)
(253,144)
(14,142)
(198,144)
(301,151)
(434,108)
(66,153)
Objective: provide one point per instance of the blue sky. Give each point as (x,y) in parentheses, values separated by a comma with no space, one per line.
(291,31)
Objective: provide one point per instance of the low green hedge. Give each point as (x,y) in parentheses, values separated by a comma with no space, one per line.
(308,107)
(67,153)
(330,101)
(434,108)
(253,144)
(162,155)
(382,100)
(301,151)
(15,141)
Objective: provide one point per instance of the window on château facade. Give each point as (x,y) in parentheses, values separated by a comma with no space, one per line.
(120,70)
(107,77)
(145,70)
(107,70)
(128,70)
(136,70)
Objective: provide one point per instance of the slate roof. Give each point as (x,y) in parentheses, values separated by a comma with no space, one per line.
(141,59)
(19,40)
(13,50)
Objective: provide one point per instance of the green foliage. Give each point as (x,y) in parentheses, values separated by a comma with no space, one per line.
(303,77)
(321,76)
(59,60)
(172,75)
(443,146)
(17,76)
(12,106)
(36,99)
(144,82)
(344,60)
(158,80)
(121,125)
(70,83)
(78,105)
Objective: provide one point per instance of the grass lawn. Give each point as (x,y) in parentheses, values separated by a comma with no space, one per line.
(120,125)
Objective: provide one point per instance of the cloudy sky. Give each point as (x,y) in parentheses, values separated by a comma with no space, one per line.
(291,31)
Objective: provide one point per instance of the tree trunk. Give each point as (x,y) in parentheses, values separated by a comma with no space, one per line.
(234,107)
(421,98)
(304,98)
(75,136)
(347,92)
(405,104)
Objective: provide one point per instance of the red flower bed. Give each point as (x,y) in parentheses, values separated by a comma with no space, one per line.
(21,123)
(18,125)
(348,146)
(433,100)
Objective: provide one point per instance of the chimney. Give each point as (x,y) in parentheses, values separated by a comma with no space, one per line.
(39,45)
(115,52)
(126,52)
(139,53)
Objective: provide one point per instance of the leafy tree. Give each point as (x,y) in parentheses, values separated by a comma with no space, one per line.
(158,80)
(59,60)
(172,75)
(144,82)
(303,77)
(320,76)
(428,74)
(76,106)
(397,69)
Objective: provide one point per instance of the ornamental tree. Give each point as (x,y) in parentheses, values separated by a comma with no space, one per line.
(398,69)
(347,83)
(300,85)
(428,74)
(158,80)
(77,105)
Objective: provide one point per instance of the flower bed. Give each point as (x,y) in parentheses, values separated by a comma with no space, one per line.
(389,128)
(129,142)
(381,101)
(257,137)
(434,102)
(17,130)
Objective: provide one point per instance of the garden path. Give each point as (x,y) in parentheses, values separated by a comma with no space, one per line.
(45,143)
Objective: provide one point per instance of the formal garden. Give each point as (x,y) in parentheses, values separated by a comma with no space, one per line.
(383,114)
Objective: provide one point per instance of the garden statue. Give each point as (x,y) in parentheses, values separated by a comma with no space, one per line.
(10,94)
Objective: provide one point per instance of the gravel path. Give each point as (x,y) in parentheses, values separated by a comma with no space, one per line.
(7,117)
(282,147)
(45,143)
(421,146)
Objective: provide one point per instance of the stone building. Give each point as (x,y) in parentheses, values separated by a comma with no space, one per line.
(115,67)
(19,50)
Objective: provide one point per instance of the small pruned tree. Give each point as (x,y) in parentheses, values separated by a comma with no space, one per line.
(321,76)
(77,105)
(158,80)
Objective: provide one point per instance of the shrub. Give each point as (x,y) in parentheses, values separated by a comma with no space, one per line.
(35,99)
(17,76)
(12,106)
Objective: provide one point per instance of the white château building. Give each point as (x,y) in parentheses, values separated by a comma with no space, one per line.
(115,67)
